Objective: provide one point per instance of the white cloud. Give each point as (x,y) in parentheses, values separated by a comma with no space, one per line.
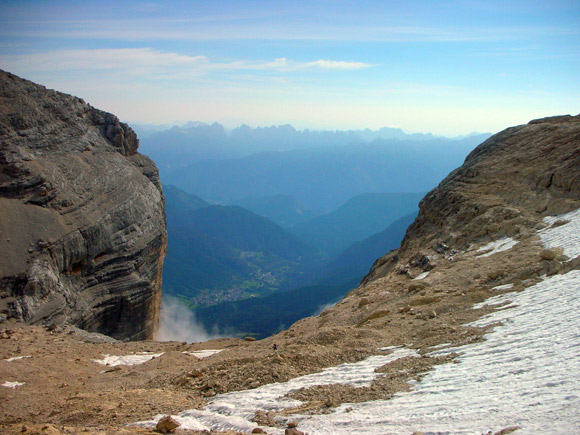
(337,65)
(127,59)
(142,61)
(179,324)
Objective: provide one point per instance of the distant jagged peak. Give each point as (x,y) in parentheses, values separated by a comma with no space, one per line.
(194,124)
(245,129)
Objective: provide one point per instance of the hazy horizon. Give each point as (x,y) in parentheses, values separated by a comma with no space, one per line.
(450,68)
(229,128)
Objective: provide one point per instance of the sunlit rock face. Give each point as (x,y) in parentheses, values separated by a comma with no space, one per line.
(503,188)
(82,222)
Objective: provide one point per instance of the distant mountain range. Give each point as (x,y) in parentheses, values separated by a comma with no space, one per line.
(355,261)
(285,210)
(274,214)
(322,179)
(320,169)
(245,140)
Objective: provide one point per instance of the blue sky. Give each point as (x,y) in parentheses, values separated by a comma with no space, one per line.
(449,67)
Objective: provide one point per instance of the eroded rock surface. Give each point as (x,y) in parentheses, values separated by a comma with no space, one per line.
(82,222)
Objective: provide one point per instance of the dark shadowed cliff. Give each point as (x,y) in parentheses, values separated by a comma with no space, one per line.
(82,222)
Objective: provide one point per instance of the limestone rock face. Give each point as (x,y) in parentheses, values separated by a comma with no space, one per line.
(82,221)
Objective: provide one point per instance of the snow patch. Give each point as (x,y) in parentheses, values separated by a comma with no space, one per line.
(422,276)
(127,360)
(234,411)
(566,236)
(204,353)
(12,385)
(16,358)
(503,287)
(500,245)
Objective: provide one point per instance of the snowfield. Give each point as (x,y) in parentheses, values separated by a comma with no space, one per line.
(525,374)
(565,236)
(127,360)
(234,411)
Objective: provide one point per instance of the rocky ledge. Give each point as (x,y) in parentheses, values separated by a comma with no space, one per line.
(82,227)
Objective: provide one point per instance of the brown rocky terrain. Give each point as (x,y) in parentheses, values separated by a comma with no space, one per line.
(82,227)
(504,189)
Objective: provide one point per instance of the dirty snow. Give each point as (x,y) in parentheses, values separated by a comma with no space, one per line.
(127,360)
(12,385)
(500,245)
(234,411)
(204,353)
(16,358)
(565,236)
(526,374)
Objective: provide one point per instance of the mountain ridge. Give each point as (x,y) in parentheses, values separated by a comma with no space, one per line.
(358,218)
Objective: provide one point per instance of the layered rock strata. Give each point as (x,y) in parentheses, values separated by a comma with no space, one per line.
(82,221)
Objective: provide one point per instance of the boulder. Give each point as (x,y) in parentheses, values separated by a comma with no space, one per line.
(167,424)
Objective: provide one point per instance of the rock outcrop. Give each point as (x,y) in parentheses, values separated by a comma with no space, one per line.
(504,188)
(82,221)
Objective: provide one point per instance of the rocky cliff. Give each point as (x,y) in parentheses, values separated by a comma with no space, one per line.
(504,189)
(82,222)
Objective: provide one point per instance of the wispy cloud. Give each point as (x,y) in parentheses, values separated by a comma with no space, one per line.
(337,65)
(284,64)
(127,59)
(228,28)
(141,61)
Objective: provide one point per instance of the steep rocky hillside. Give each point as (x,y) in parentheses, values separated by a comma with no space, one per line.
(503,227)
(82,223)
(504,189)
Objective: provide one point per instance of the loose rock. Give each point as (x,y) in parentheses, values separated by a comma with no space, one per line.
(167,425)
